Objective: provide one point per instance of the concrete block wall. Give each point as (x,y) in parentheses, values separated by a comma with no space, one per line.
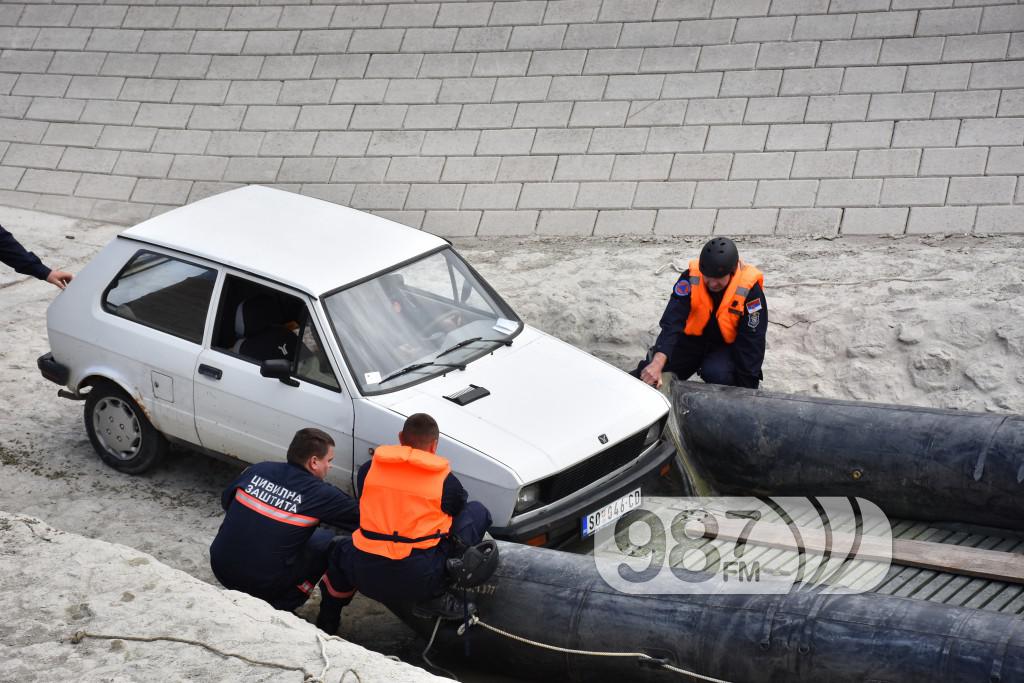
(557,117)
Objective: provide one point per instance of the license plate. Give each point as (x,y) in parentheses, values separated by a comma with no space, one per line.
(610,512)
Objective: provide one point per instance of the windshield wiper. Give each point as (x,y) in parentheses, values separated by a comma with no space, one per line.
(467,342)
(418,366)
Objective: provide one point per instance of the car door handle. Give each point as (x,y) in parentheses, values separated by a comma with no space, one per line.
(210,371)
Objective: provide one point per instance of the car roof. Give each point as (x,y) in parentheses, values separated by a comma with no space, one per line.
(306,243)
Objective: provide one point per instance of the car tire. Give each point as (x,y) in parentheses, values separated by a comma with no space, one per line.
(120,432)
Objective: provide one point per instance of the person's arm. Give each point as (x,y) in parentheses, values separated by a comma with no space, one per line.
(672,322)
(748,349)
(340,509)
(453,496)
(19,258)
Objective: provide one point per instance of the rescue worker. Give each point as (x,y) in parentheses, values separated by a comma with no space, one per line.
(27,263)
(714,324)
(269,544)
(414,514)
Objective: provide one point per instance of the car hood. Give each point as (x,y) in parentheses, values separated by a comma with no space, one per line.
(549,404)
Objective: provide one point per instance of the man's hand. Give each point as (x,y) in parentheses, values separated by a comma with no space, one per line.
(59,278)
(652,373)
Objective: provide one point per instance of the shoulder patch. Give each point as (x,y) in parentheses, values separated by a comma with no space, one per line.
(682,288)
(754,305)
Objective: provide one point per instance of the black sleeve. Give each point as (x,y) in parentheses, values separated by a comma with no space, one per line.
(748,350)
(229,492)
(673,320)
(453,496)
(340,509)
(19,258)
(361,477)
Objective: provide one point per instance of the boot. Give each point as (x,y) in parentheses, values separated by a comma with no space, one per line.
(446,606)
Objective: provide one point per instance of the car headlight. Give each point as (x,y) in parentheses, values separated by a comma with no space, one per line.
(653,434)
(529,496)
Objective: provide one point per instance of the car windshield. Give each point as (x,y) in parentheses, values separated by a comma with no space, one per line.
(421,319)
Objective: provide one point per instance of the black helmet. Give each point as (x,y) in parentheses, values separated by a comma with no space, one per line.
(719,257)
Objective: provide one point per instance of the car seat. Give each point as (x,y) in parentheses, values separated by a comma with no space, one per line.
(260,330)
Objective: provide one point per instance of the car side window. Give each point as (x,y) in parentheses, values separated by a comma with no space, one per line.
(163,292)
(312,364)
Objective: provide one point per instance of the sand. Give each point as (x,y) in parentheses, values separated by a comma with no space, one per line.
(932,321)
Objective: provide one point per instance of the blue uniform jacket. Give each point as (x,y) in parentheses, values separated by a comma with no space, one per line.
(19,258)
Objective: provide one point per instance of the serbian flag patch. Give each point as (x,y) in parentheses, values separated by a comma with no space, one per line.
(754,305)
(682,288)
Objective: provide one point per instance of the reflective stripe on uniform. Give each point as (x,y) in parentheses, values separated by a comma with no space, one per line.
(272,512)
(335,593)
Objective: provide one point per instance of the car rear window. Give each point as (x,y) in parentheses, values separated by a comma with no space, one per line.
(163,292)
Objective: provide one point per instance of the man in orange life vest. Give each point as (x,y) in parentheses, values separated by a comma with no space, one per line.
(414,515)
(714,324)
(269,545)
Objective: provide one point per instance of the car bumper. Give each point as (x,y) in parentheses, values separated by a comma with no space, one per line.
(52,370)
(560,520)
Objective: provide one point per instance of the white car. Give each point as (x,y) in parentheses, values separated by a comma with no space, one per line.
(230,323)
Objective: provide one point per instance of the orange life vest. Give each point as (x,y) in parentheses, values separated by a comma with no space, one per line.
(730,311)
(400,505)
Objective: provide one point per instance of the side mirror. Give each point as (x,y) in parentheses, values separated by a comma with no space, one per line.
(279,368)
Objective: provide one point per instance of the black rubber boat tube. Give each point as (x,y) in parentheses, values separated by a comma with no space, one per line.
(914,463)
(560,599)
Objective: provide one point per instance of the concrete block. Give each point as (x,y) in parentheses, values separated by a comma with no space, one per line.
(446,65)
(822,27)
(798,7)
(656,113)
(466,90)
(288,66)
(999,18)
(508,223)
(83,159)
(677,139)
(811,81)
(166,41)
(439,40)
(201,92)
(360,169)
(797,136)
(775,110)
(701,166)
(253,92)
(1004,131)
(14,130)
(572,11)
(604,195)
(740,8)
(411,90)
(427,116)
(142,66)
(997,75)
(619,222)
(479,39)
(981,190)
(758,29)
(413,219)
(669,59)
(591,114)
(543,115)
(435,196)
(377,116)
(884,24)
(746,221)
(150,17)
(340,66)
(751,83)
(75,134)
(487,115)
(218,42)
(941,219)
(900,106)
(156,191)
(1011,103)
(343,143)
(592,36)
(761,165)
(646,34)
(872,79)
(724,193)
(566,223)
(612,61)
(721,110)
(837,108)
(685,222)
(225,117)
(860,135)
(235,143)
(916,191)
(874,221)
(362,16)
(503,64)
(287,143)
(51,182)
(199,167)
(1005,160)
(584,167)
(395,142)
(521,89)
(798,222)
(411,15)
(682,9)
(464,14)
(887,162)
(548,195)
(664,195)
(379,196)
(948,22)
(705,32)
(844,192)
(143,164)
(118,113)
(414,169)
(518,13)
(34,156)
(787,54)
(307,92)
(954,161)
(182,66)
(555,141)
(234,67)
(634,87)
(911,50)
(114,40)
(261,117)
(55,109)
(180,141)
(547,37)
(45,38)
(376,40)
(939,133)
(14,107)
(367,90)
(470,169)
(642,167)
(305,17)
(627,10)
(842,6)
(849,52)
(525,168)
(462,142)
(25,61)
(616,140)
(202,17)
(728,57)
(999,219)
(494,196)
(975,48)
(779,193)
(692,85)
(967,104)
(38,85)
(393,65)
(925,77)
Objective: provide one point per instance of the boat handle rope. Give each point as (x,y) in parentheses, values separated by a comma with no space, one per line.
(643,657)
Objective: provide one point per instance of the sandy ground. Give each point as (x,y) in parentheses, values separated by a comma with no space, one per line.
(933,321)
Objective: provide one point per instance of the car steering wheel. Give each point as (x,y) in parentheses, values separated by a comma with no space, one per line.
(450,319)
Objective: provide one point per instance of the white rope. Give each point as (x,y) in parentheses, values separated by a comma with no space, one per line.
(430,644)
(589,653)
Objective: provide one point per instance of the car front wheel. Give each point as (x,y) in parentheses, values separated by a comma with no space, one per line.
(120,432)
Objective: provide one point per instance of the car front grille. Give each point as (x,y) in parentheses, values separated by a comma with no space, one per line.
(578,476)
